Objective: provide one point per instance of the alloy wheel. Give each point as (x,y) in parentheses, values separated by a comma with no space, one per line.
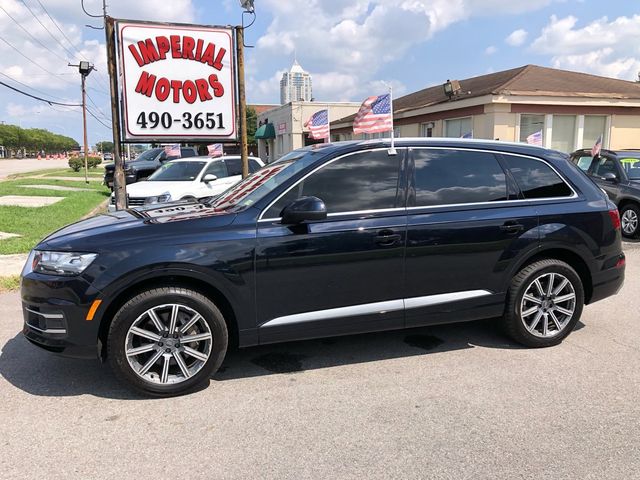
(548,305)
(629,222)
(168,344)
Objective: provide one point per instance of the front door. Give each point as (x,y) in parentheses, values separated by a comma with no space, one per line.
(343,274)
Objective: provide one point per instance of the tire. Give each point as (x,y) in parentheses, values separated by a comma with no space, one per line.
(525,318)
(630,220)
(165,363)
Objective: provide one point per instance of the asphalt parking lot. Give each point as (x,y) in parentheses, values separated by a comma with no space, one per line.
(457,401)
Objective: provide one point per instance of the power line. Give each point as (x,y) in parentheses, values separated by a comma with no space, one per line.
(108,119)
(24,56)
(98,120)
(50,102)
(29,87)
(59,29)
(48,31)
(30,35)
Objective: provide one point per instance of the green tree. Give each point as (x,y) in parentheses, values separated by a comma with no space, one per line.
(105,146)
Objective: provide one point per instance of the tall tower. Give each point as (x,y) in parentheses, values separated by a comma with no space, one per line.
(295,85)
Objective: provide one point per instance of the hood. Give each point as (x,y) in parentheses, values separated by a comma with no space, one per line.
(146,189)
(132,225)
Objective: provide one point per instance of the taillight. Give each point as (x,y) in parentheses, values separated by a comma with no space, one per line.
(615,218)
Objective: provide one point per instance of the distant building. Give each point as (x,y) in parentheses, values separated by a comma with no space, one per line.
(295,85)
(569,109)
(282,129)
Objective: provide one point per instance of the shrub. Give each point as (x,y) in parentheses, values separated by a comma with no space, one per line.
(77,163)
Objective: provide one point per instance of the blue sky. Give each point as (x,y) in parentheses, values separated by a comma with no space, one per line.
(349,46)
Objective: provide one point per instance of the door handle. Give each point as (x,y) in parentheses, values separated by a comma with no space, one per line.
(512,227)
(387,238)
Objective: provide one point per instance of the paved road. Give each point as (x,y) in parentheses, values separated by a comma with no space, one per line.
(450,402)
(11,166)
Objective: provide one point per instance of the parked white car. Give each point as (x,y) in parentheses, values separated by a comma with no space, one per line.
(188,179)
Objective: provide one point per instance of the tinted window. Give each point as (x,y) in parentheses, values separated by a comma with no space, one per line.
(187,152)
(605,165)
(234,166)
(216,168)
(536,179)
(364,181)
(632,167)
(445,177)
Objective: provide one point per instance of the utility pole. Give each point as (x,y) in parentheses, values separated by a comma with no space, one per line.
(85,68)
(119,184)
(243,102)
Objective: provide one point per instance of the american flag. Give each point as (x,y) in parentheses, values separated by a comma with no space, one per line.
(595,150)
(535,138)
(215,150)
(173,150)
(374,115)
(318,124)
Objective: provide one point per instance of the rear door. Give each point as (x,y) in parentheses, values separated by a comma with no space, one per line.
(466,227)
(603,165)
(343,274)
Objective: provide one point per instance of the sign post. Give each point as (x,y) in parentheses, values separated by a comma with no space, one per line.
(244,156)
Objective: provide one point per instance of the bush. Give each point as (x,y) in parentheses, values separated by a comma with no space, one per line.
(77,163)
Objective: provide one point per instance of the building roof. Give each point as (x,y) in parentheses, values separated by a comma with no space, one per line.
(296,68)
(261,108)
(529,80)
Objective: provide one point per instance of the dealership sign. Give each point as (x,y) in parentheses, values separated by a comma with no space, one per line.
(178,82)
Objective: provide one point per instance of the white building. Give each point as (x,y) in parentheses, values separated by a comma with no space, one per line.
(295,85)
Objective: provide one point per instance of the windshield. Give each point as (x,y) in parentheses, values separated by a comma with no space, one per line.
(632,167)
(147,155)
(265,180)
(177,172)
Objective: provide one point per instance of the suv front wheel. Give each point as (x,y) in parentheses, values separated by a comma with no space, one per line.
(544,303)
(165,341)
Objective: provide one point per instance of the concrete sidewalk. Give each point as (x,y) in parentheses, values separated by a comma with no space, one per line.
(12,264)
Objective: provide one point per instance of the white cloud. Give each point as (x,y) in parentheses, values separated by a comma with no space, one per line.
(517,38)
(490,50)
(604,47)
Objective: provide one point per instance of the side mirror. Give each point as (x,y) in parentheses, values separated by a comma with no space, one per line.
(209,177)
(610,177)
(303,209)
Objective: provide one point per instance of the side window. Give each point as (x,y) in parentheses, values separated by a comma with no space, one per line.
(446,177)
(363,181)
(536,179)
(216,168)
(234,166)
(583,163)
(605,165)
(253,166)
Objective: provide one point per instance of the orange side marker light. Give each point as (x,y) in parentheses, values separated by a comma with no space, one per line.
(92,310)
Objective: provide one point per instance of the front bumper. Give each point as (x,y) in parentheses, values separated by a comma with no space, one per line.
(55,311)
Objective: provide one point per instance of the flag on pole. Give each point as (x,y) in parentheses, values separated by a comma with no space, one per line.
(468,135)
(374,115)
(318,125)
(173,150)
(215,150)
(535,138)
(595,150)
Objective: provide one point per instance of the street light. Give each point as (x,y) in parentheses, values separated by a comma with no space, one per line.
(85,68)
(451,88)
(247,5)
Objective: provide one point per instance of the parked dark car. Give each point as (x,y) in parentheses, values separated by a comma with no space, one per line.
(618,173)
(145,164)
(332,239)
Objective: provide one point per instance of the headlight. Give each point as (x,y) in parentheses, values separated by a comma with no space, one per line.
(165,197)
(61,263)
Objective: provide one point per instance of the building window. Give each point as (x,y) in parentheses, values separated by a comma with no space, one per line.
(530,124)
(563,136)
(426,129)
(458,127)
(594,126)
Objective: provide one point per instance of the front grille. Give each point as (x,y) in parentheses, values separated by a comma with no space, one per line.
(132,202)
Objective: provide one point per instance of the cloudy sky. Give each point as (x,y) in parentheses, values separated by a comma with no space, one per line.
(349,46)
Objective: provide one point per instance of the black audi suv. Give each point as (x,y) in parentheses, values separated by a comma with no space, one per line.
(332,239)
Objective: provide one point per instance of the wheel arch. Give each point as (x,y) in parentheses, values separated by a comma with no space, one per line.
(626,201)
(571,258)
(166,279)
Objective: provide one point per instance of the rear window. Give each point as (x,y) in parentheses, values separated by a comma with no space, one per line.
(536,179)
(632,167)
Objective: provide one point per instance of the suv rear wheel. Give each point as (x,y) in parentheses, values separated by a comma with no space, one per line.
(166,341)
(629,219)
(544,303)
